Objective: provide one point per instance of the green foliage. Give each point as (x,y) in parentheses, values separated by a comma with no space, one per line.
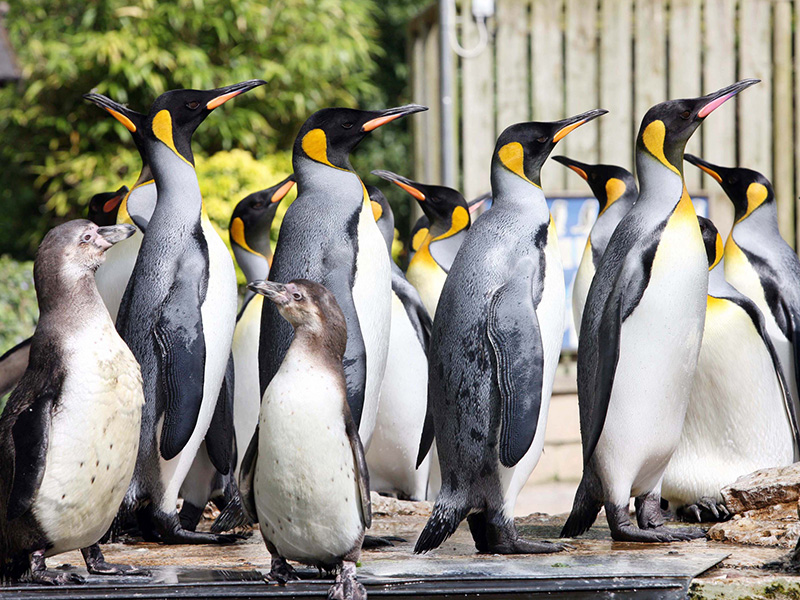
(18,309)
(57,149)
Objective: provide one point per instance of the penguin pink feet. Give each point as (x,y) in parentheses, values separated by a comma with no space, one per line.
(347,587)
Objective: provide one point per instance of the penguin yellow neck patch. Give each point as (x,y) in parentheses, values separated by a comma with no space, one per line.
(459,220)
(162,129)
(756,194)
(653,137)
(377,210)
(512,156)
(419,239)
(237,233)
(614,190)
(315,145)
(719,250)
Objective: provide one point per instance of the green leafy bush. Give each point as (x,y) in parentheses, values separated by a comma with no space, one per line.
(18,309)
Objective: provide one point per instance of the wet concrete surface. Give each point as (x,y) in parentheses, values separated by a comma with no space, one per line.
(739,574)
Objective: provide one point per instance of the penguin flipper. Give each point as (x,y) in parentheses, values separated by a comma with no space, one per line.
(221,433)
(360,463)
(793,323)
(246,476)
(181,352)
(516,342)
(27,418)
(12,366)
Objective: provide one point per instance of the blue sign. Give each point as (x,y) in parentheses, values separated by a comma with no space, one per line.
(574,217)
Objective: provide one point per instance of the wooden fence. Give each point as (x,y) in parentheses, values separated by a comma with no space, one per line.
(548,59)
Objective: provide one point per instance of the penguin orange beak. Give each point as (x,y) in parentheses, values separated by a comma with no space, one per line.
(124,115)
(572,123)
(223,94)
(281,192)
(579,167)
(402,182)
(390,114)
(704,166)
(112,203)
(715,100)
(271,290)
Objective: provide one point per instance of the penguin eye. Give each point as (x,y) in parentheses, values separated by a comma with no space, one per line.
(192,105)
(297,296)
(86,237)
(347,125)
(258,204)
(542,139)
(685,115)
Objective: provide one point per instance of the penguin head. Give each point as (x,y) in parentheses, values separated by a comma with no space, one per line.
(747,189)
(608,182)
(329,135)
(667,126)
(383,214)
(251,220)
(77,247)
(175,115)
(522,148)
(103,207)
(419,233)
(445,207)
(712,241)
(132,121)
(309,307)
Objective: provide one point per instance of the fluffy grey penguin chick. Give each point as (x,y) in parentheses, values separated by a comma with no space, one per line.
(70,431)
(304,474)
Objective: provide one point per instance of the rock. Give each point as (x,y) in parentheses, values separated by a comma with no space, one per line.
(774,526)
(763,488)
(392,507)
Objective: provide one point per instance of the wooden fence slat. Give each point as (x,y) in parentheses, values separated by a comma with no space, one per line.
(581,83)
(512,63)
(718,134)
(782,118)
(650,56)
(797,112)
(418,96)
(617,128)
(432,169)
(478,134)
(684,67)
(547,64)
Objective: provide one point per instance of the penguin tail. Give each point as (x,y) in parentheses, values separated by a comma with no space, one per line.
(584,511)
(443,522)
(232,516)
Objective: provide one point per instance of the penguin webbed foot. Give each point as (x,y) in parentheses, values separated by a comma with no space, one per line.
(372,542)
(190,515)
(622,530)
(171,532)
(96,564)
(281,572)
(496,535)
(705,510)
(347,587)
(41,575)
(523,546)
(789,563)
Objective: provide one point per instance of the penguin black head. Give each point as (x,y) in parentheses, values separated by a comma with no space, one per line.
(747,189)
(310,308)
(608,182)
(175,115)
(445,207)
(330,134)
(252,218)
(383,214)
(103,207)
(522,148)
(712,241)
(666,127)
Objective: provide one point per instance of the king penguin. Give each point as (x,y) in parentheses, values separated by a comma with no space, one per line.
(249,231)
(494,349)
(740,416)
(70,431)
(615,189)
(104,207)
(759,263)
(448,215)
(392,455)
(179,310)
(640,334)
(311,499)
(329,235)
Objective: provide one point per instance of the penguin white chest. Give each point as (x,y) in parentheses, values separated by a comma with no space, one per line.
(247,390)
(428,277)
(94,439)
(580,287)
(658,350)
(112,276)
(305,482)
(372,296)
